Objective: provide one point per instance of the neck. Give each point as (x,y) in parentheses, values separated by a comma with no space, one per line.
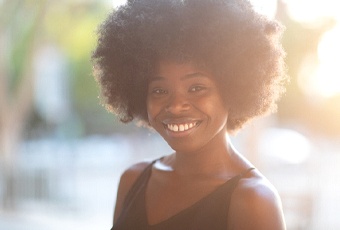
(214,158)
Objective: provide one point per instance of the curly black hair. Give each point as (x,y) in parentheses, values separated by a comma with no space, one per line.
(239,46)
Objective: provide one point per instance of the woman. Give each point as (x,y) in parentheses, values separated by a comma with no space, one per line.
(194,71)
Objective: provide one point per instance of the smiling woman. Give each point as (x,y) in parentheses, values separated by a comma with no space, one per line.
(194,71)
(185,107)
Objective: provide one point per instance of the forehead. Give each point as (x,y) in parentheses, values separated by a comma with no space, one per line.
(172,69)
(173,66)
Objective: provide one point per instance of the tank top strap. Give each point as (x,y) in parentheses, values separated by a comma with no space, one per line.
(234,181)
(245,172)
(139,184)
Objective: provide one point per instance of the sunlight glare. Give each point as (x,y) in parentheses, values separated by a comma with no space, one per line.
(328,75)
(322,77)
(311,11)
(116,3)
(265,7)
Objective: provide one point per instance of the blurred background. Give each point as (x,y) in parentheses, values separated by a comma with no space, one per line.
(61,153)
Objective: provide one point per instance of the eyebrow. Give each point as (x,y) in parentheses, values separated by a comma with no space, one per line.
(194,75)
(187,76)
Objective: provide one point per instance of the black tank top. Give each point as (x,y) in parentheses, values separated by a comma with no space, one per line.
(209,213)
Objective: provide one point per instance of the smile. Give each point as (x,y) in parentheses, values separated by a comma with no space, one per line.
(181,127)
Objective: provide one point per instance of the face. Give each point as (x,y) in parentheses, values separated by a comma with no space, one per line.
(185,107)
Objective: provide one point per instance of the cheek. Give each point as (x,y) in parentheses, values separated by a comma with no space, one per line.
(211,105)
(217,109)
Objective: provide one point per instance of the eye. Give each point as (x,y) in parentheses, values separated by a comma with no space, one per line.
(196,88)
(159,91)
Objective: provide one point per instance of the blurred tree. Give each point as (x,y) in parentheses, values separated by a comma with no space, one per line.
(25,28)
(72,26)
(20,25)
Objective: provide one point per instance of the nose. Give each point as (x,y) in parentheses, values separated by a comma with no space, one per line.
(177,104)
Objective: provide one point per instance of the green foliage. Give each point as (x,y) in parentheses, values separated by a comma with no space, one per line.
(20,21)
(72,27)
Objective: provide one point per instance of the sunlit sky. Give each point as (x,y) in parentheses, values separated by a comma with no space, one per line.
(322,77)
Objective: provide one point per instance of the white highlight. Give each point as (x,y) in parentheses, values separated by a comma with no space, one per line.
(117,3)
(286,144)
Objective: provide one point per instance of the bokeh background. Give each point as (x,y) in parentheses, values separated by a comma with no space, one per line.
(61,153)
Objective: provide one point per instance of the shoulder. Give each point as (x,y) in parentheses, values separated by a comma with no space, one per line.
(255,204)
(130,175)
(127,179)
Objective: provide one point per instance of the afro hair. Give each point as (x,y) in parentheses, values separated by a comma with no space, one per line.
(239,46)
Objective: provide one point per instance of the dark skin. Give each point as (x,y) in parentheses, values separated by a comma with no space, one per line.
(185,107)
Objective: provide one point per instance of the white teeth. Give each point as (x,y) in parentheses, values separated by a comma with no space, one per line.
(181,127)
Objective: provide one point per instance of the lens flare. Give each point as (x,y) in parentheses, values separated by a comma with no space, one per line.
(321,76)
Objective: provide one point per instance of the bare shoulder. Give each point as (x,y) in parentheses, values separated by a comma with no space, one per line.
(255,204)
(127,179)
